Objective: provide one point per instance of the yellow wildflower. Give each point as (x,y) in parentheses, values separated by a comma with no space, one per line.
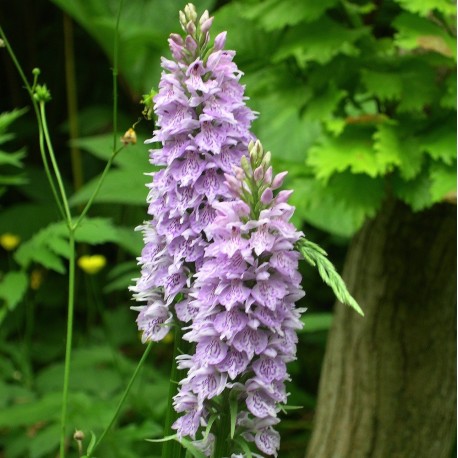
(9,241)
(36,279)
(92,264)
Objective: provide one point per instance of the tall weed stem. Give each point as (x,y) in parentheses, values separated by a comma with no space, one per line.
(69,338)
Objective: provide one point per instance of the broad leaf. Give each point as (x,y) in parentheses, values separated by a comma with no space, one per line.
(13,286)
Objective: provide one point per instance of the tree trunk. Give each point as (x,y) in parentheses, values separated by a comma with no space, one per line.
(388,384)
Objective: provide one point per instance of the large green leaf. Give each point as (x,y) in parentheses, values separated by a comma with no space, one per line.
(386,85)
(339,206)
(398,148)
(126,186)
(415,192)
(354,151)
(424,7)
(310,43)
(440,141)
(418,32)
(276,14)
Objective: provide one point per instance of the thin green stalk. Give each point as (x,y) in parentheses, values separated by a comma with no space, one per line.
(69,338)
(97,188)
(60,183)
(46,164)
(30,90)
(123,398)
(172,449)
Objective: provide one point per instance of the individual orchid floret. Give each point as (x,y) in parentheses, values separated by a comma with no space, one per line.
(245,318)
(203,129)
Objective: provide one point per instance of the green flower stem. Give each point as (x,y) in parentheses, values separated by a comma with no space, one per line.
(60,183)
(69,338)
(30,90)
(44,158)
(123,398)
(224,430)
(97,188)
(172,449)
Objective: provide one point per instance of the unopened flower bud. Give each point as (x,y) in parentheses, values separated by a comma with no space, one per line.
(205,27)
(2,43)
(178,39)
(267,196)
(266,159)
(268,176)
(283,196)
(256,153)
(191,28)
(36,71)
(130,137)
(278,180)
(42,93)
(182,20)
(258,173)
(232,183)
(220,41)
(79,435)
(239,173)
(204,17)
(190,12)
(246,166)
(190,44)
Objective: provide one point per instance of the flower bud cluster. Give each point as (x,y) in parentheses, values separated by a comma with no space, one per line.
(203,130)
(244,294)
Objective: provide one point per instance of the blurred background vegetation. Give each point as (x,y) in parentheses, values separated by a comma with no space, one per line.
(357,99)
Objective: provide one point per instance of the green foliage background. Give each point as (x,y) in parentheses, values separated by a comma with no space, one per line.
(356,99)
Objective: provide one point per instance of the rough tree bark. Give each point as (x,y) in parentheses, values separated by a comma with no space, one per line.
(388,384)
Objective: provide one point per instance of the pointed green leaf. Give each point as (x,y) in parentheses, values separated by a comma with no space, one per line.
(92,443)
(328,273)
(9,117)
(418,32)
(440,142)
(13,287)
(414,192)
(307,44)
(424,7)
(353,150)
(233,409)
(276,14)
(96,231)
(443,180)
